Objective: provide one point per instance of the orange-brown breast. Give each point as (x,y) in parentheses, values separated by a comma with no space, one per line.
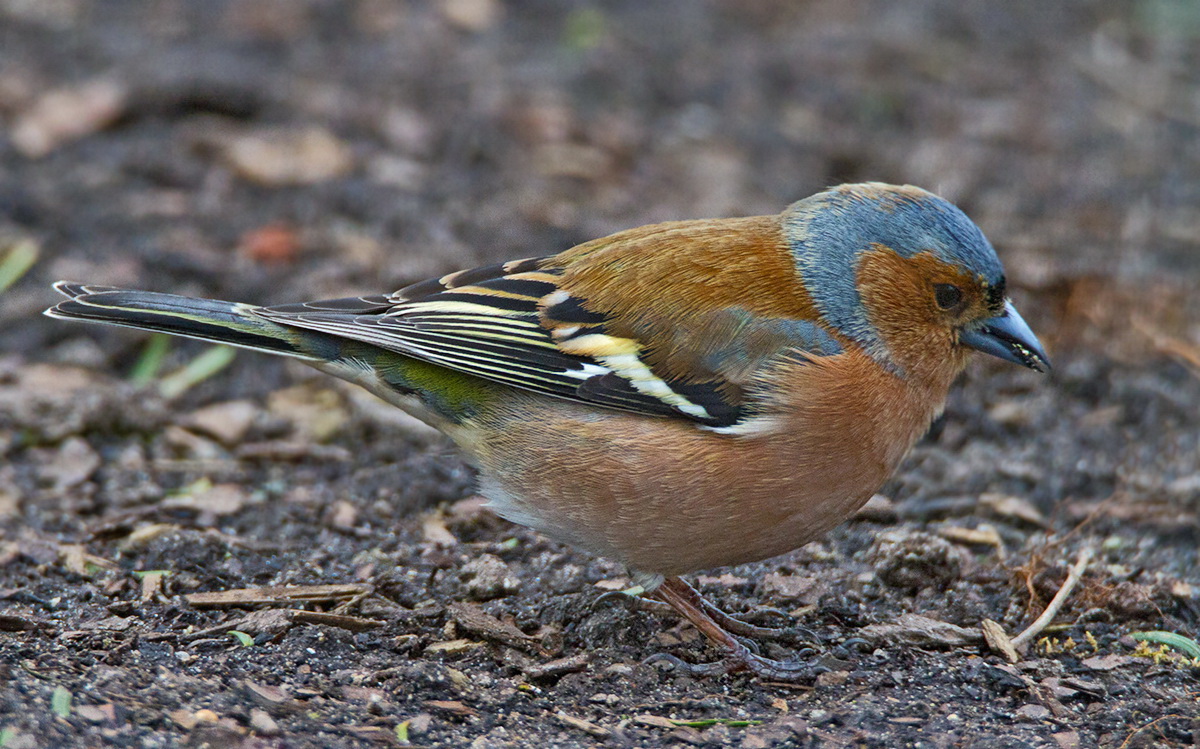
(664,496)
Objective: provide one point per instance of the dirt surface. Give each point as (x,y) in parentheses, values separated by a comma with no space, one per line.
(279,150)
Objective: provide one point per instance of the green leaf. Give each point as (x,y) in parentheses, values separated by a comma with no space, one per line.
(21,256)
(198,370)
(402,731)
(1185,645)
(7,734)
(707,722)
(584,29)
(246,640)
(60,701)
(154,353)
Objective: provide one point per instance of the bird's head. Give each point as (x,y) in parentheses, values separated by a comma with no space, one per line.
(909,277)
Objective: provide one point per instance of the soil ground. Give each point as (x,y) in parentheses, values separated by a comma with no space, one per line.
(281,150)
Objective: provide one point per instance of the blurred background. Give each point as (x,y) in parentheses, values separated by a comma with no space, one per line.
(274,150)
(281,150)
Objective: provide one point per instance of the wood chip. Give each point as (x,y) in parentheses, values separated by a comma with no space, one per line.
(725,580)
(613,583)
(586,726)
(152,583)
(341,621)
(433,528)
(1007,506)
(475,620)
(76,559)
(453,707)
(275,594)
(981,536)
(282,156)
(267,695)
(654,720)
(560,666)
(919,631)
(998,640)
(453,647)
(67,114)
(18,623)
(144,534)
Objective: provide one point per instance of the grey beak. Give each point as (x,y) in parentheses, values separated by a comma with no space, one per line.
(1007,337)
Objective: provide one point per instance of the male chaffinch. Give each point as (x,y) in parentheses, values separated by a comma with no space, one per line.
(678,396)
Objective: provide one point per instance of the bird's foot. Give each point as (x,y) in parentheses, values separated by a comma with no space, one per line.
(720,629)
(739,626)
(634,601)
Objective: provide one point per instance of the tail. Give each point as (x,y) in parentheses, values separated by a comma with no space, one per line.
(205,319)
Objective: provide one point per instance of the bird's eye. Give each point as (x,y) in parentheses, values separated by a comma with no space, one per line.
(948,296)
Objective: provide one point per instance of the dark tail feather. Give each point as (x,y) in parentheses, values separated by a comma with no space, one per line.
(205,319)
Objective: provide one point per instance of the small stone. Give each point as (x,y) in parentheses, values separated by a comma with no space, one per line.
(226,422)
(1107,662)
(488,577)
(343,516)
(316,413)
(1032,712)
(274,244)
(832,678)
(788,587)
(262,723)
(92,713)
(914,560)
(212,501)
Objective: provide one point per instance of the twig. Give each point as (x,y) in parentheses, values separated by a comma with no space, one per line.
(1033,630)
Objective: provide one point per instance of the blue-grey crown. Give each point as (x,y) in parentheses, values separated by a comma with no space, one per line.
(828,232)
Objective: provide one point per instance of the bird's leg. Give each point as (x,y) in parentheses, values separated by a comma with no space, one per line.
(684,599)
(728,622)
(731,623)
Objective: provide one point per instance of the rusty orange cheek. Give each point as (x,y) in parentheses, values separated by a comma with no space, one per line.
(896,289)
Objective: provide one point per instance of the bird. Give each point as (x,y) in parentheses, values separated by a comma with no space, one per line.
(678,396)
